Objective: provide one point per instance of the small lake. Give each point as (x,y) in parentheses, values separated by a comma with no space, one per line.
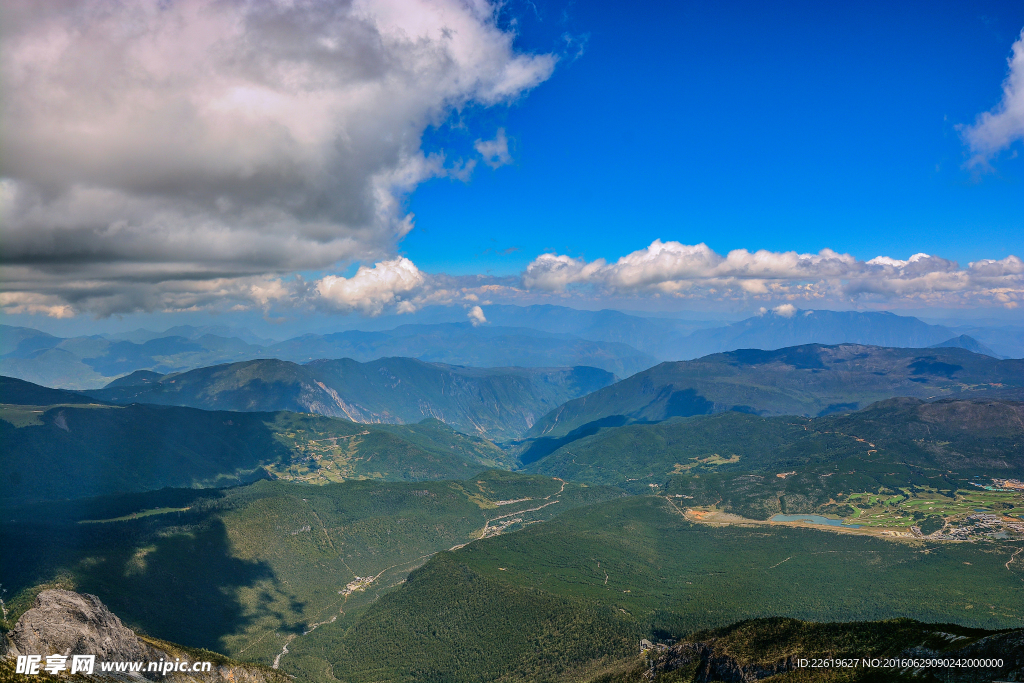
(813,519)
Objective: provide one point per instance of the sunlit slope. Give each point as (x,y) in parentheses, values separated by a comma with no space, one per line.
(69,451)
(494,402)
(802,380)
(893,442)
(578,592)
(248,570)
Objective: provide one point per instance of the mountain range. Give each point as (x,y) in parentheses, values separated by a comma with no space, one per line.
(498,403)
(530,336)
(645,508)
(92,362)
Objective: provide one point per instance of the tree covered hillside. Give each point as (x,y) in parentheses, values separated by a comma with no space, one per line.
(803,380)
(498,403)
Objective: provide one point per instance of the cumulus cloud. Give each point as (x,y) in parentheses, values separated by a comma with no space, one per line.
(370,289)
(153,151)
(476,316)
(495,152)
(997,129)
(696,271)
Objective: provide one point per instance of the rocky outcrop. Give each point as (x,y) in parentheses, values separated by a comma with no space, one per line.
(703,664)
(708,660)
(66,623)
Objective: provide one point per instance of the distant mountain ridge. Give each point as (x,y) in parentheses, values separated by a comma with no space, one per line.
(464,344)
(525,336)
(92,362)
(498,403)
(677,339)
(810,380)
(965,342)
(794,327)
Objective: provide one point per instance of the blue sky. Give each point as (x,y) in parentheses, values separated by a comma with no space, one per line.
(742,126)
(172,161)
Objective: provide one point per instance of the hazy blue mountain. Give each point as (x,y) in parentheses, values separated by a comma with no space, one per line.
(966,342)
(192,332)
(92,362)
(804,380)
(54,368)
(775,331)
(22,342)
(136,379)
(659,337)
(1005,340)
(498,403)
(677,339)
(524,336)
(464,344)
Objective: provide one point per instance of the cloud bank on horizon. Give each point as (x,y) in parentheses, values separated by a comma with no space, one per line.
(203,155)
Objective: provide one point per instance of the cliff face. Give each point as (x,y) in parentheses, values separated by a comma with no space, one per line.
(67,623)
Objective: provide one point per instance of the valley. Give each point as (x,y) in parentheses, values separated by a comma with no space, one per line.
(358,551)
(474,341)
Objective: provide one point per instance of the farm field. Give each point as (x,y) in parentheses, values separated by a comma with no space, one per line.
(907,508)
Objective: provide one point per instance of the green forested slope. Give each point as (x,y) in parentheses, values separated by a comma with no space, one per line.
(576,592)
(963,439)
(803,380)
(69,451)
(733,460)
(246,571)
(19,392)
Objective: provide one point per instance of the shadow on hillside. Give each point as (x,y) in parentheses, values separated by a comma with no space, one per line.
(546,445)
(170,576)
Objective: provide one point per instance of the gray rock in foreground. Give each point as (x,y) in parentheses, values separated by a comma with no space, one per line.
(66,623)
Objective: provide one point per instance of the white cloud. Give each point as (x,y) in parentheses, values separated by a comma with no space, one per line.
(494,152)
(476,316)
(997,129)
(371,289)
(146,143)
(671,266)
(697,272)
